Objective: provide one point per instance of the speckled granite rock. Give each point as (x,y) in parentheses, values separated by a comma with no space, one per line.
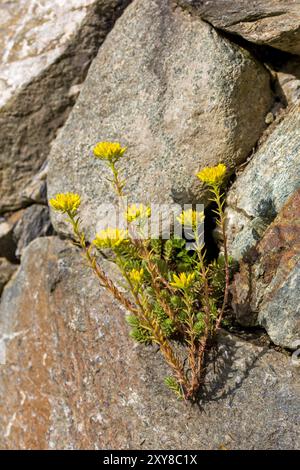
(180,96)
(266,290)
(45,50)
(266,183)
(74,379)
(274,23)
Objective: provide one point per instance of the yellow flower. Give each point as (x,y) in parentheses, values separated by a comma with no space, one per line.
(110,151)
(191,218)
(213,175)
(135,212)
(65,202)
(136,276)
(110,238)
(183,281)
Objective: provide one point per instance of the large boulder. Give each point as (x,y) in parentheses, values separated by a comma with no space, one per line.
(173,90)
(45,50)
(266,290)
(273,23)
(260,192)
(73,378)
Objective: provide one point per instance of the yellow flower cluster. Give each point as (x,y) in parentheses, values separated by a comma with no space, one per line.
(110,238)
(134,212)
(183,281)
(136,276)
(110,151)
(212,176)
(65,202)
(191,218)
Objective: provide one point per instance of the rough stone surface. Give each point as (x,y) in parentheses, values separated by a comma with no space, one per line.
(35,222)
(74,379)
(266,183)
(274,23)
(266,289)
(180,96)
(45,50)
(6,271)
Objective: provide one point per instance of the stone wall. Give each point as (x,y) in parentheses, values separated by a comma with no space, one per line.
(184,84)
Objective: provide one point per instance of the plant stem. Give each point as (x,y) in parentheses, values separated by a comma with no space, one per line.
(160,339)
(217,194)
(207,309)
(192,350)
(117,182)
(92,262)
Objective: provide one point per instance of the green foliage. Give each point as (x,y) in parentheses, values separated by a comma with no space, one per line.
(174,386)
(173,283)
(138,332)
(172,254)
(166,324)
(176,302)
(199,325)
(217,276)
(172,294)
(156,245)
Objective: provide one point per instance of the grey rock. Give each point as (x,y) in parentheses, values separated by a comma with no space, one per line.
(6,271)
(280,314)
(273,23)
(261,190)
(45,50)
(35,222)
(179,95)
(83,384)
(266,289)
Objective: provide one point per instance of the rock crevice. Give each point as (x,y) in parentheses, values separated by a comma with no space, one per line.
(38,100)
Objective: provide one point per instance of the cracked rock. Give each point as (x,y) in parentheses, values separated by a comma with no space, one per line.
(45,50)
(273,23)
(177,93)
(262,189)
(266,289)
